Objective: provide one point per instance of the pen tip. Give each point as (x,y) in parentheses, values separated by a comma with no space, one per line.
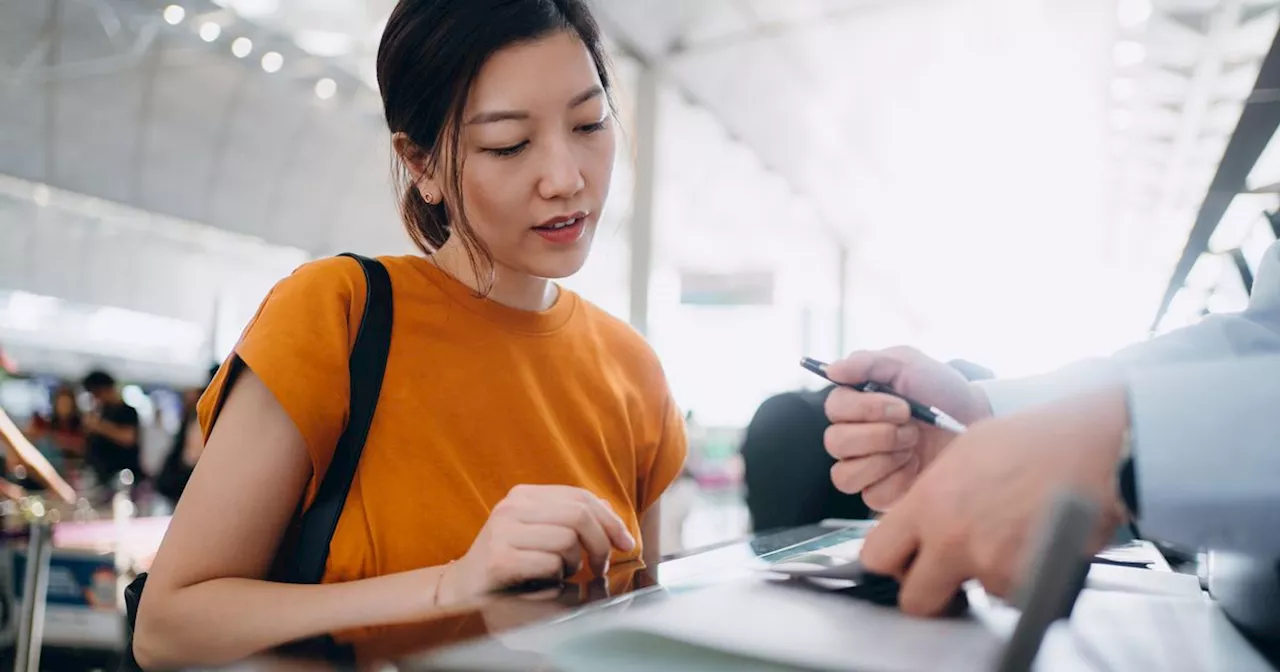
(814,365)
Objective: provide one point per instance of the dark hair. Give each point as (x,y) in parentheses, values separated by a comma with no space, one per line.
(98,380)
(431,53)
(58,423)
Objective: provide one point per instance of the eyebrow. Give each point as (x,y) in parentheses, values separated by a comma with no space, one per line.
(520,115)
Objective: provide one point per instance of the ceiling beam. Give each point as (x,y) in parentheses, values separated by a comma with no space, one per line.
(763,31)
(1257,125)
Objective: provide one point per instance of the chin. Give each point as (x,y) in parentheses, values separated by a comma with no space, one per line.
(557,267)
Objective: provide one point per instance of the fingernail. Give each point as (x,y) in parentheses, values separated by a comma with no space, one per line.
(907,436)
(629,542)
(897,412)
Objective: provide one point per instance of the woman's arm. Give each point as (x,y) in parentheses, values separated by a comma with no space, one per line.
(206,602)
(651,535)
(192,444)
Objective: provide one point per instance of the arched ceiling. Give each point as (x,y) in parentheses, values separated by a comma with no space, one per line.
(103,98)
(1001,144)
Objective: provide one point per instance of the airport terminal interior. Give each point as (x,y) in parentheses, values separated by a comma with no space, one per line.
(1006,185)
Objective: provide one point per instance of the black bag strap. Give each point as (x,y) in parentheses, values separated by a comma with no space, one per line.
(367,365)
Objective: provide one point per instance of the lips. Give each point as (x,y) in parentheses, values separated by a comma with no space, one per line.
(562,221)
(564,230)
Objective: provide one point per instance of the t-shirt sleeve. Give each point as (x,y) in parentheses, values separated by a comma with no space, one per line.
(299,344)
(667,460)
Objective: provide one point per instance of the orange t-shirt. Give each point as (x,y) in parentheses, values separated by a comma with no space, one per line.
(477,398)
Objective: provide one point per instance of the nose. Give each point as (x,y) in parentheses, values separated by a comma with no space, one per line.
(561,174)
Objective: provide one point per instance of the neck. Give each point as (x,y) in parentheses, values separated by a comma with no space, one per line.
(508,287)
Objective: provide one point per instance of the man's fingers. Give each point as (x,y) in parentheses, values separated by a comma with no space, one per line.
(931,583)
(845,441)
(862,366)
(849,405)
(887,491)
(854,476)
(890,545)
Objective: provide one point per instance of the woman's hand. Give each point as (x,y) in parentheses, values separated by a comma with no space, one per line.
(537,532)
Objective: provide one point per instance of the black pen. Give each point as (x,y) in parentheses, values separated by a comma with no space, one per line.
(926,414)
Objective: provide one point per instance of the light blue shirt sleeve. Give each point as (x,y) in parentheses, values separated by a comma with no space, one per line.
(1254,332)
(1206,450)
(1207,464)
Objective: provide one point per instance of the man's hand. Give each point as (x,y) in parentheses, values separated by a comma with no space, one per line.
(879,448)
(975,513)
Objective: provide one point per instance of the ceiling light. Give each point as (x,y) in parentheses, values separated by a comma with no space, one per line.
(210,31)
(1130,54)
(255,9)
(326,88)
(1123,89)
(242,47)
(174,14)
(323,43)
(272,61)
(1133,13)
(1121,120)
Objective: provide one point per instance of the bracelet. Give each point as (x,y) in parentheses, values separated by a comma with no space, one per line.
(435,593)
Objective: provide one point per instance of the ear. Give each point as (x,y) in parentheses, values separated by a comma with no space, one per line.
(418,163)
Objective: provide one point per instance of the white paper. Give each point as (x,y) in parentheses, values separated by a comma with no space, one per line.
(1122,632)
(1145,581)
(787,626)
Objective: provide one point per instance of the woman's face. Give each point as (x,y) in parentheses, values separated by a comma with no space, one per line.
(64,405)
(538,147)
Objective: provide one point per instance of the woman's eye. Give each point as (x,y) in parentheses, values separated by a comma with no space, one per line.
(594,128)
(511,150)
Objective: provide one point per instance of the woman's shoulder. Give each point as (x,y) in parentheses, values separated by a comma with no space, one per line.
(623,344)
(330,284)
(331,275)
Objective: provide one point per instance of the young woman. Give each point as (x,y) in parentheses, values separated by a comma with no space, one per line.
(60,437)
(521,432)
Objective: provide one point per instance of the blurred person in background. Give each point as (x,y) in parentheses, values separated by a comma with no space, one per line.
(61,436)
(522,433)
(788,472)
(1176,434)
(188,444)
(111,429)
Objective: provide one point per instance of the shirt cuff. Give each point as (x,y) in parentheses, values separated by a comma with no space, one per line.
(1018,394)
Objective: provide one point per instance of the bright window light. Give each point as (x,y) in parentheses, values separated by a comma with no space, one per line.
(1123,89)
(174,14)
(323,43)
(242,47)
(1134,13)
(254,9)
(272,61)
(326,88)
(210,31)
(1121,120)
(1129,54)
